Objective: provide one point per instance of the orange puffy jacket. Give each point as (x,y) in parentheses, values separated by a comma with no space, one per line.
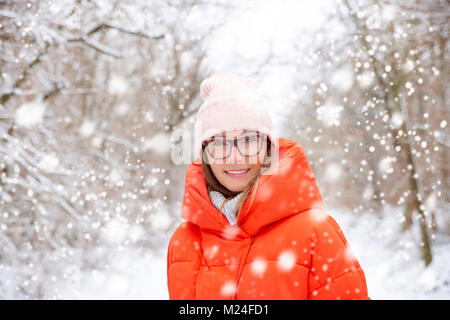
(284,247)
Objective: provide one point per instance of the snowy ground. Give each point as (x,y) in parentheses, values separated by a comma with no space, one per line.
(133,275)
(391,263)
(391,260)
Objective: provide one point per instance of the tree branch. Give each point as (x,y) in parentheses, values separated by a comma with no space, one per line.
(124,30)
(107,50)
(97,46)
(5,97)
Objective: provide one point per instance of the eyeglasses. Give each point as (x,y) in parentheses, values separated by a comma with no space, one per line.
(250,145)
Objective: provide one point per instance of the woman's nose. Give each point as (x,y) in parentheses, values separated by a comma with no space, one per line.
(235,156)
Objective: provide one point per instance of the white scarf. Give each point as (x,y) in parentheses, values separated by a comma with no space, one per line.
(217,198)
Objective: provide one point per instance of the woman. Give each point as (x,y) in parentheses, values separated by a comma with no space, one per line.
(255,225)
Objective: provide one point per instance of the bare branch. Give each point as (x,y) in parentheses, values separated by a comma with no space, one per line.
(124,30)
(97,46)
(5,97)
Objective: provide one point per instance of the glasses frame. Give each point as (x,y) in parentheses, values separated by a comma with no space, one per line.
(234,143)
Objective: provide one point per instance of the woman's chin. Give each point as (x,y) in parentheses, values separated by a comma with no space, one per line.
(234,186)
(236,189)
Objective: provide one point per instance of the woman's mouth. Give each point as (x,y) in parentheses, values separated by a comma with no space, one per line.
(237,173)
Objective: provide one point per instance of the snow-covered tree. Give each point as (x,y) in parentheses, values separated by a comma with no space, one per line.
(90,93)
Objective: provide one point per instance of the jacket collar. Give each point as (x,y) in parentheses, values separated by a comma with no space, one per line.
(217,199)
(291,190)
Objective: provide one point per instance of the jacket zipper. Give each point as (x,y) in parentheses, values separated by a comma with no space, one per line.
(238,279)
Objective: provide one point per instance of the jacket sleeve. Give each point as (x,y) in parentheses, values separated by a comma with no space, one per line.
(335,273)
(183,261)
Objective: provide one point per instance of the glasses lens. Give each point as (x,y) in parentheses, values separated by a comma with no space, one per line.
(250,144)
(218,148)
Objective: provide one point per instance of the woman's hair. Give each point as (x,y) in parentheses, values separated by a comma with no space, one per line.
(213,184)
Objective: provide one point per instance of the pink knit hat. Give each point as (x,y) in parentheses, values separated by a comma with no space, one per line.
(231,103)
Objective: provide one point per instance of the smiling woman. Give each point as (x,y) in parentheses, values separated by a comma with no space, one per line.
(277,244)
(246,153)
(232,167)
(234,151)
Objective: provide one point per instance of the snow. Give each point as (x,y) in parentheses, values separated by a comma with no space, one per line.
(158,143)
(160,220)
(115,231)
(343,78)
(67,229)
(49,162)
(365,79)
(117,85)
(30,114)
(115,177)
(259,266)
(333,172)
(397,119)
(389,13)
(228,288)
(286,260)
(391,260)
(133,274)
(392,265)
(329,113)
(122,109)
(211,252)
(431,202)
(87,128)
(385,165)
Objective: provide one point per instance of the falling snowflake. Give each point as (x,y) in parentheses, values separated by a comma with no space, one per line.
(230,231)
(389,12)
(30,114)
(343,78)
(160,220)
(286,260)
(159,143)
(117,85)
(333,172)
(430,202)
(385,165)
(329,114)
(228,288)
(87,128)
(136,232)
(49,162)
(121,109)
(397,119)
(258,267)
(115,177)
(365,79)
(210,252)
(115,231)
(318,216)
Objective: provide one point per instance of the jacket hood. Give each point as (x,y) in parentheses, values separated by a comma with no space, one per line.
(291,190)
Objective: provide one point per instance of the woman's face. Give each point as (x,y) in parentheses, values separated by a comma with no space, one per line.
(235,171)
